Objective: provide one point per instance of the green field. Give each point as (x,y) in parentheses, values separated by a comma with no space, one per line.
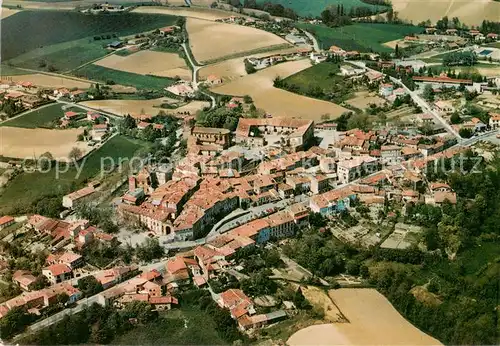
(313,8)
(363,37)
(320,75)
(29,30)
(6,70)
(106,75)
(27,189)
(172,330)
(40,117)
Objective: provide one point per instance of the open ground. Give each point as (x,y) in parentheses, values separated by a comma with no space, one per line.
(211,41)
(149,62)
(28,143)
(372,321)
(363,99)
(144,108)
(49,81)
(278,102)
(197,12)
(319,298)
(6,12)
(469,12)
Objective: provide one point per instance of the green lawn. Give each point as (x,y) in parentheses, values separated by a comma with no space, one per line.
(6,70)
(314,8)
(28,188)
(41,117)
(31,29)
(106,75)
(363,37)
(177,327)
(320,75)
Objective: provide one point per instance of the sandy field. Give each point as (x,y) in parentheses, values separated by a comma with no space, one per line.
(209,40)
(363,100)
(278,102)
(392,44)
(233,68)
(26,143)
(141,109)
(372,321)
(149,62)
(49,81)
(6,12)
(200,13)
(469,12)
(319,298)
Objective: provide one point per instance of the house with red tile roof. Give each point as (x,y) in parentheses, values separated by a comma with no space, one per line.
(57,273)
(236,302)
(6,221)
(24,279)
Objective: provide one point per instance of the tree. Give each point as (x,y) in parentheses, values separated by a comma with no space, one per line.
(45,161)
(465,132)
(149,250)
(428,93)
(247,99)
(14,322)
(75,153)
(89,286)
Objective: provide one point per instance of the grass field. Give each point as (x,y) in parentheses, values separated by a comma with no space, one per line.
(28,188)
(314,8)
(320,75)
(29,30)
(41,117)
(176,327)
(363,37)
(105,75)
(6,70)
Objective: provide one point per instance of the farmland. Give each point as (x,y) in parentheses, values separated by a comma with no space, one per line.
(111,76)
(28,188)
(29,30)
(278,102)
(314,8)
(211,41)
(41,117)
(363,37)
(149,63)
(200,13)
(50,81)
(372,321)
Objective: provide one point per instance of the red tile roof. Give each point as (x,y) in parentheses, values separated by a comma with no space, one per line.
(5,220)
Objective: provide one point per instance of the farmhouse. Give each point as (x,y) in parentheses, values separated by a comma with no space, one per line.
(71,200)
(442,80)
(337,51)
(6,221)
(296,40)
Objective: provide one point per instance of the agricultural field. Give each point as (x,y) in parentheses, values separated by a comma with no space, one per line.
(141,109)
(7,12)
(363,37)
(28,188)
(111,76)
(49,81)
(40,117)
(372,320)
(278,102)
(146,62)
(198,12)
(210,41)
(314,8)
(29,143)
(363,99)
(469,12)
(28,30)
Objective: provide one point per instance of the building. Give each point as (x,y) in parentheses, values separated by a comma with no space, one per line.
(444,106)
(236,302)
(494,121)
(99,131)
(386,90)
(356,167)
(390,154)
(332,202)
(209,135)
(6,221)
(442,81)
(24,279)
(57,273)
(334,50)
(296,40)
(71,200)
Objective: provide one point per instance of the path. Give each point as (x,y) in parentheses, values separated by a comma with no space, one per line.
(312,38)
(79,105)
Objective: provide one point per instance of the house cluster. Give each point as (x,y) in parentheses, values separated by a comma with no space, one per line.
(388,92)
(182,88)
(22,95)
(262,62)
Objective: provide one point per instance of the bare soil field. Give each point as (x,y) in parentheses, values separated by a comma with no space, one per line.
(6,12)
(27,143)
(363,100)
(49,81)
(200,13)
(320,299)
(147,62)
(209,40)
(233,68)
(278,102)
(142,109)
(372,321)
(392,44)
(469,12)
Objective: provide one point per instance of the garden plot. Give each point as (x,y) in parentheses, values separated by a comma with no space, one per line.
(403,236)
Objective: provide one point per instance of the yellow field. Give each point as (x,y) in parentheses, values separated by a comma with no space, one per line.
(278,102)
(27,143)
(320,299)
(200,13)
(469,12)
(142,109)
(363,100)
(149,62)
(372,321)
(210,40)
(7,12)
(49,81)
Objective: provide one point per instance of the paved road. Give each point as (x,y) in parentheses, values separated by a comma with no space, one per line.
(315,42)
(73,104)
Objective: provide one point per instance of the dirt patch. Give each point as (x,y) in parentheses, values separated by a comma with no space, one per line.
(144,108)
(29,143)
(372,321)
(200,13)
(425,297)
(148,62)
(49,81)
(320,299)
(6,12)
(398,42)
(278,102)
(210,40)
(363,100)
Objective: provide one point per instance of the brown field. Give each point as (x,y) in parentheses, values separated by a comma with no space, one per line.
(49,81)
(278,102)
(233,68)
(27,143)
(143,108)
(363,99)
(209,40)
(319,298)
(469,12)
(6,12)
(149,62)
(392,44)
(200,13)
(372,321)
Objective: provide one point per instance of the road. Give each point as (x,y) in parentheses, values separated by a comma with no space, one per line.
(79,105)
(315,42)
